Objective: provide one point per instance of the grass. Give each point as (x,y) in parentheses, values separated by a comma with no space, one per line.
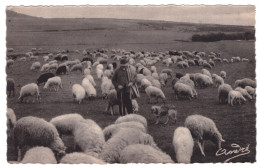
(237,124)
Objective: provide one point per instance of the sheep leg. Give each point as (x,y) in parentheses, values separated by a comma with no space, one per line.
(201,150)
(203,143)
(112,110)
(19,156)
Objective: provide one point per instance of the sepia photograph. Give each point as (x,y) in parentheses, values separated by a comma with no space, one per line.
(120,84)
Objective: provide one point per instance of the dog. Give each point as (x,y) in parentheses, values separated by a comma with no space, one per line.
(164,110)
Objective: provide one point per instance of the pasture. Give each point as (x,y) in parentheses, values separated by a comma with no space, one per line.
(236,123)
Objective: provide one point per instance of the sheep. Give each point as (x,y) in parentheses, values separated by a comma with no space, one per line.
(45,58)
(80,158)
(108,73)
(207,65)
(236,59)
(146,71)
(91,79)
(39,154)
(244,93)
(135,106)
(89,137)
(223,91)
(99,73)
(141,153)
(10,87)
(202,80)
(245,60)
(153,69)
(112,129)
(132,117)
(164,110)
(152,91)
(9,63)
(34,131)
(251,91)
(223,74)
(11,121)
(183,144)
(106,86)
(163,78)
(112,101)
(78,93)
(206,72)
(45,67)
(182,90)
(76,67)
(225,60)
(124,137)
(212,63)
(186,80)
(62,70)
(22,59)
(245,82)
(10,49)
(44,78)
(203,128)
(218,80)
(87,71)
(89,88)
(30,89)
(53,62)
(52,82)
(235,96)
(35,66)
(145,83)
(168,72)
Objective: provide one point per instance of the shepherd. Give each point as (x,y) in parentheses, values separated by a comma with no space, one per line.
(124,80)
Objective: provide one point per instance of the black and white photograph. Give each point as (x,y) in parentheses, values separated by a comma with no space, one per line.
(120,84)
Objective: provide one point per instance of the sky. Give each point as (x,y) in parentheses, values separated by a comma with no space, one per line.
(229,15)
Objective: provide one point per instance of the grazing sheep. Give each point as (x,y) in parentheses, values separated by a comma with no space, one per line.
(245,60)
(164,110)
(186,80)
(106,86)
(45,67)
(112,101)
(53,67)
(155,92)
(35,66)
(39,154)
(62,70)
(223,74)
(33,131)
(123,138)
(146,72)
(163,78)
(45,58)
(10,87)
(218,80)
(183,144)
(225,60)
(112,129)
(206,72)
(44,78)
(80,158)
(77,67)
(168,72)
(202,80)
(108,73)
(236,59)
(234,97)
(141,153)
(251,91)
(52,82)
(78,93)
(11,121)
(203,128)
(223,91)
(89,137)
(22,59)
(132,117)
(244,93)
(89,88)
(145,83)
(245,82)
(182,90)
(30,89)
(91,79)
(212,63)
(207,65)
(9,63)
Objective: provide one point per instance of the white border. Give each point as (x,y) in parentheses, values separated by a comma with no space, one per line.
(112,2)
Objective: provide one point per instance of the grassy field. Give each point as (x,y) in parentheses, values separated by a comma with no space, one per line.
(237,124)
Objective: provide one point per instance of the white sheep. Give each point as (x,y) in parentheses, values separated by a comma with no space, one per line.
(34,131)
(54,82)
(53,66)
(89,137)
(202,80)
(65,124)
(53,62)
(77,67)
(135,106)
(124,137)
(245,82)
(112,129)
(45,58)
(106,86)
(35,66)
(155,92)
(78,93)
(244,93)
(155,75)
(225,60)
(30,89)
(91,79)
(141,153)
(132,117)
(182,90)
(146,72)
(183,144)
(145,83)
(39,154)
(153,69)
(99,73)
(223,74)
(45,67)
(203,128)
(206,72)
(108,73)
(251,91)
(112,101)
(87,71)
(245,60)
(223,91)
(11,121)
(234,97)
(218,80)
(89,88)
(163,78)
(80,158)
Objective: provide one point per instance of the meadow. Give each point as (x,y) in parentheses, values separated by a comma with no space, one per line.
(236,123)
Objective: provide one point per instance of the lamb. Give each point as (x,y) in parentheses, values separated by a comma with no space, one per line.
(76,67)
(183,144)
(235,96)
(132,117)
(78,93)
(251,91)
(223,74)
(141,153)
(10,87)
(11,121)
(223,91)
(182,90)
(65,124)
(203,128)
(106,86)
(30,89)
(35,66)
(9,63)
(45,67)
(244,93)
(89,137)
(34,131)
(123,138)
(52,82)
(44,78)
(39,154)
(89,88)
(80,158)
(112,101)
(112,129)
(245,82)
(152,91)
(91,79)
